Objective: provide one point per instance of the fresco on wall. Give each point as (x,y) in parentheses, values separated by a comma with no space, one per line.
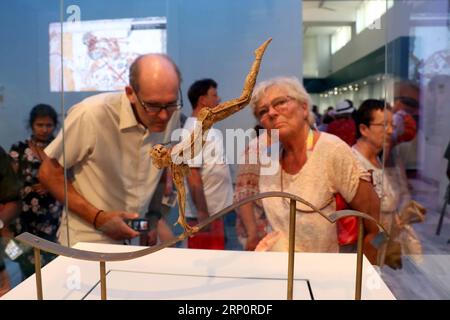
(97,54)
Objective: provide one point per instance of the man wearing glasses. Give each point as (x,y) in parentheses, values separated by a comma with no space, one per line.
(107,142)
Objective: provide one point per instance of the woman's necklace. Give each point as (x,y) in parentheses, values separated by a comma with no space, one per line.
(309,147)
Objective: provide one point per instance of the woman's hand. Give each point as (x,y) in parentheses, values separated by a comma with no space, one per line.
(252,242)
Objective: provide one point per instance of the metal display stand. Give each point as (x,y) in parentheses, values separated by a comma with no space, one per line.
(40,244)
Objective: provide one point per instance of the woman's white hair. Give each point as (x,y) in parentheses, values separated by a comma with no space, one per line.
(293,89)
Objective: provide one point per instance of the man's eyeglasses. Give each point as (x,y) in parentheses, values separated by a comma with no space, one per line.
(278,104)
(156,107)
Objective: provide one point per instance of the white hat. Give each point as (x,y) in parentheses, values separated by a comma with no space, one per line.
(343,107)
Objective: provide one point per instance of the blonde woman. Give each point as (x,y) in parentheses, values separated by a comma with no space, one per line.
(314,166)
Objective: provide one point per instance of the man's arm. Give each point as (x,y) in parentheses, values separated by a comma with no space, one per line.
(51,175)
(10,186)
(195,185)
(366,200)
(5,285)
(8,211)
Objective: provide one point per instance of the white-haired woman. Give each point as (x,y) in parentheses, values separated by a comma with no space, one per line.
(314,166)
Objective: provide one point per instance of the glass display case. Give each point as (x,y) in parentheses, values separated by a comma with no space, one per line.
(65,82)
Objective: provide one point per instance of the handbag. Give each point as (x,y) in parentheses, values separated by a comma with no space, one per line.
(393,254)
(412,212)
(403,239)
(347,227)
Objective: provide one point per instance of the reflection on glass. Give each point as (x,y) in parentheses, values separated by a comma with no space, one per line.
(409,71)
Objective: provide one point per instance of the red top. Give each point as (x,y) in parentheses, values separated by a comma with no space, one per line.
(345,129)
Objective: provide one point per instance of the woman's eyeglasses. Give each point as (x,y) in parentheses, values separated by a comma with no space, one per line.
(278,104)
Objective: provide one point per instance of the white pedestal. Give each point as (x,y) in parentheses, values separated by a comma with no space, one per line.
(181,274)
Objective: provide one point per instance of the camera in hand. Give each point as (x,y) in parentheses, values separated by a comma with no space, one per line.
(138,224)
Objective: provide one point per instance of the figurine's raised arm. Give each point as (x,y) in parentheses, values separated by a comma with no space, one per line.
(211,115)
(176,157)
(208,116)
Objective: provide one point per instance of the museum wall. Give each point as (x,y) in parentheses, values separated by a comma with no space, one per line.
(206,39)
